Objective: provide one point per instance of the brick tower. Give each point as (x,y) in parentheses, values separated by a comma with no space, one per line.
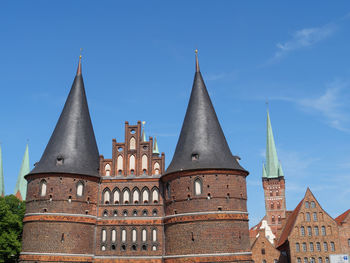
(206,217)
(273,184)
(61,199)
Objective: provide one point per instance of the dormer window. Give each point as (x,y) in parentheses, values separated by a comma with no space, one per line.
(195,156)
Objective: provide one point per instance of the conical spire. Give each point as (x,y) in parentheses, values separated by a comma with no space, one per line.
(72,147)
(143,135)
(273,168)
(2,183)
(202,144)
(155,146)
(21,185)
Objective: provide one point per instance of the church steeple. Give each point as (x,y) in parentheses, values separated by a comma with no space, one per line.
(155,146)
(21,185)
(272,168)
(72,147)
(2,184)
(202,143)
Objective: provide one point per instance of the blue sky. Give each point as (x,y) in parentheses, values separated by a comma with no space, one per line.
(138,64)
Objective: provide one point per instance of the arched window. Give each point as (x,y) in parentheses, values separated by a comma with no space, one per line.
(108,169)
(155,195)
(309,231)
(106,196)
(325,246)
(311,245)
(316,231)
(319,260)
(132,143)
(272,205)
(116,196)
(126,196)
(156,168)
(313,204)
(279,219)
(80,188)
(264,261)
(136,196)
(168,190)
(314,215)
(273,219)
(312,260)
(120,163)
(308,217)
(114,235)
(104,235)
(144,162)
(318,246)
(144,235)
(132,164)
(145,195)
(332,246)
(123,235)
(307,204)
(305,260)
(43,188)
(197,186)
(299,260)
(304,247)
(323,230)
(302,231)
(134,235)
(297,247)
(154,235)
(278,205)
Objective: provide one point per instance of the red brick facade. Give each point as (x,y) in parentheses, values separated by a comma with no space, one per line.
(127,215)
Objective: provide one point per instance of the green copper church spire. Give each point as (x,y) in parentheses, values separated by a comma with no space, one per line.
(155,146)
(272,168)
(21,185)
(143,135)
(2,184)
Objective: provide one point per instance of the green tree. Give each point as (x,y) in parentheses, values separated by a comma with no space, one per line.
(11,216)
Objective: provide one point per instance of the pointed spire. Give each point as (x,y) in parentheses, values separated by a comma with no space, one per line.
(143,135)
(264,172)
(155,146)
(273,167)
(21,185)
(2,184)
(202,143)
(72,147)
(197,63)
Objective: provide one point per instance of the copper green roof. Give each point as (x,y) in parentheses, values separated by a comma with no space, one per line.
(272,167)
(2,185)
(21,185)
(155,146)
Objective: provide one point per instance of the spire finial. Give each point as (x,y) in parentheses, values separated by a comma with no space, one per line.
(79,65)
(197,63)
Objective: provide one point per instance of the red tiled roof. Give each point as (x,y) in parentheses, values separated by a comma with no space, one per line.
(255,229)
(289,224)
(341,218)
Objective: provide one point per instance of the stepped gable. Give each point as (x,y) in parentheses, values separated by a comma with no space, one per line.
(202,143)
(72,147)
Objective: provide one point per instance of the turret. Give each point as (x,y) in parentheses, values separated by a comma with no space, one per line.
(206,216)
(62,188)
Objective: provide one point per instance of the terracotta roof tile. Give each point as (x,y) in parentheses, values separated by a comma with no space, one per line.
(289,224)
(341,218)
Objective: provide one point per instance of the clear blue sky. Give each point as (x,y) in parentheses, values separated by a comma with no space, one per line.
(138,64)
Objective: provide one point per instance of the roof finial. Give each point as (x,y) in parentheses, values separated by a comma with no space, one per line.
(143,135)
(197,64)
(79,65)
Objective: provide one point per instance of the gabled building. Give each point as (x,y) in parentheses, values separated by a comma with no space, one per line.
(310,234)
(343,222)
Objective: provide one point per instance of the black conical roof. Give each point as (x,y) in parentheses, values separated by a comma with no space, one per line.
(202,143)
(72,147)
